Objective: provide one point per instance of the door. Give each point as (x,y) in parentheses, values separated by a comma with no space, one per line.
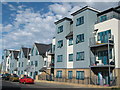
(35,73)
(100,79)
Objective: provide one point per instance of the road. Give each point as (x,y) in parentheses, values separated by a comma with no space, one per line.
(37,85)
(8,85)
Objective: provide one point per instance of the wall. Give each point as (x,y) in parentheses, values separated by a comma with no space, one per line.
(87,29)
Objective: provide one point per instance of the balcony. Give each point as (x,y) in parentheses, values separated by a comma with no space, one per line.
(95,63)
(108,18)
(93,43)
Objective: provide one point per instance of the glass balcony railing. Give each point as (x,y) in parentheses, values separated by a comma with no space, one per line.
(93,41)
(103,62)
(107,18)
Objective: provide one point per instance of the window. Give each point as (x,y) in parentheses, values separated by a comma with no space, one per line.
(69,74)
(59,58)
(70,57)
(80,75)
(36,63)
(80,56)
(110,54)
(36,52)
(30,73)
(53,48)
(60,43)
(22,64)
(80,21)
(45,63)
(70,41)
(19,54)
(60,29)
(59,74)
(103,18)
(19,64)
(21,72)
(104,36)
(80,38)
(32,51)
(31,62)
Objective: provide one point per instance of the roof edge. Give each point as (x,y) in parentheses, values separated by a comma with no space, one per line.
(83,9)
(63,19)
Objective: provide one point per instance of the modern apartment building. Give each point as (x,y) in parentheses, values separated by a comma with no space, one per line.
(72,40)
(104,48)
(85,49)
(82,47)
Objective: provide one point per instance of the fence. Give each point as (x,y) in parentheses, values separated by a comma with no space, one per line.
(86,80)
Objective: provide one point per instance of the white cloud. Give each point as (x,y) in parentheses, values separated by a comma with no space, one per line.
(30,26)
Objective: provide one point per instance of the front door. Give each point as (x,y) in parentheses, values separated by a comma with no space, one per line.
(35,73)
(100,79)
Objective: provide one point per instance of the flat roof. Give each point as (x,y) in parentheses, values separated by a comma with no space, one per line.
(108,10)
(83,9)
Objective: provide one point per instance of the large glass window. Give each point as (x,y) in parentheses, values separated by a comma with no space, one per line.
(104,36)
(60,29)
(70,57)
(69,74)
(59,58)
(80,21)
(59,74)
(60,43)
(70,41)
(80,56)
(80,75)
(80,38)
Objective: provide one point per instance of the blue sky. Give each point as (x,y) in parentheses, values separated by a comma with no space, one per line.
(24,23)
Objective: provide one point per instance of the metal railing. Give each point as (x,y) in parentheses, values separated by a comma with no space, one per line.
(86,80)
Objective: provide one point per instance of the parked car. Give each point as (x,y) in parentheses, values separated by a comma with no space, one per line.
(26,79)
(6,76)
(14,77)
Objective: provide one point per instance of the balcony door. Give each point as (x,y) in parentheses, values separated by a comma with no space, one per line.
(105,57)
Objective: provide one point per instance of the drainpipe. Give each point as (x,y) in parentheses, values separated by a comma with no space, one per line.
(109,61)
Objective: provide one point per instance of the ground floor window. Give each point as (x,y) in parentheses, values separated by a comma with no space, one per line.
(59,74)
(80,75)
(21,72)
(69,74)
(30,73)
